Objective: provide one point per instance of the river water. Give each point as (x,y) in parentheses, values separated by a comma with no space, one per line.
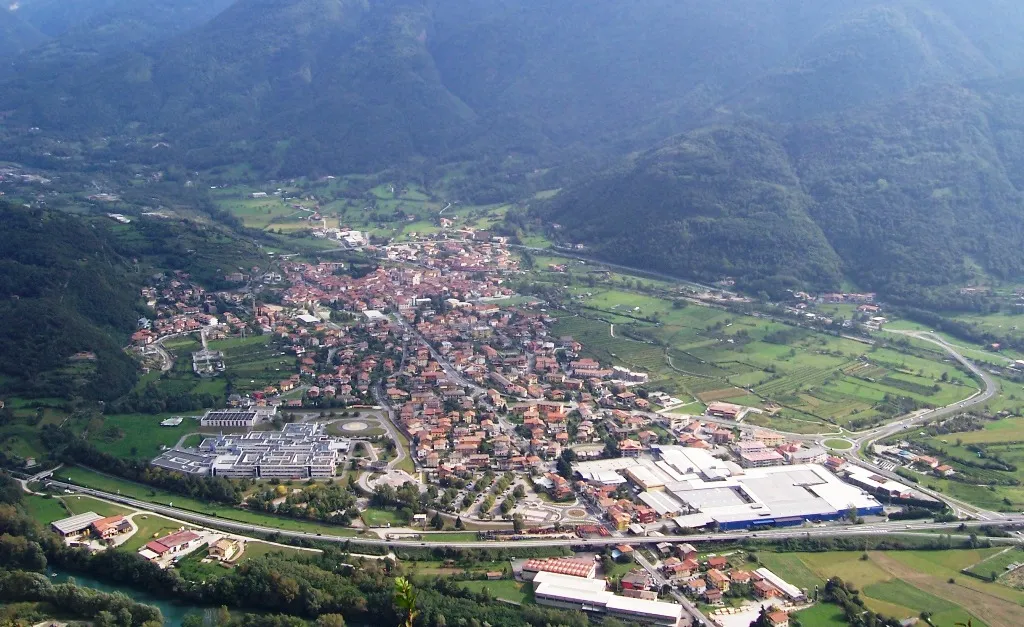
(174,613)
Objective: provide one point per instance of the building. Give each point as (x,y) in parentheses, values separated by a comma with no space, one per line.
(778,619)
(299,451)
(230,418)
(568,566)
(589,595)
(760,459)
(777,496)
(75,525)
(110,527)
(177,542)
(727,411)
(792,592)
(224,549)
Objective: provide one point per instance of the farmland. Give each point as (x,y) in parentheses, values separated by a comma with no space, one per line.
(356,202)
(988,456)
(806,381)
(251,363)
(902,584)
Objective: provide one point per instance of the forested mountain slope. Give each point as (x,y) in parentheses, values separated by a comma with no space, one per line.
(84,31)
(16,35)
(63,291)
(902,197)
(301,85)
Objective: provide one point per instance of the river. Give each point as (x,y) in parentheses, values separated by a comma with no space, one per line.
(174,613)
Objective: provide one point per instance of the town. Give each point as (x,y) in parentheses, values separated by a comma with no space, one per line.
(465,377)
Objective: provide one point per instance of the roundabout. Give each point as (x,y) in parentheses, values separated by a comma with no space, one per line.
(838,444)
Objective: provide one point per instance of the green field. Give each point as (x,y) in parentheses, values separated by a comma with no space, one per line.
(822,615)
(505,589)
(901,584)
(44,510)
(839,445)
(106,483)
(996,564)
(817,381)
(151,526)
(79,504)
(138,435)
(998,488)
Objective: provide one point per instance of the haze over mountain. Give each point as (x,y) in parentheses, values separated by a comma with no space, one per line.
(16,35)
(821,139)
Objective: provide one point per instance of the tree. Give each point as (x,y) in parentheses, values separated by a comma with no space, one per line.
(458,523)
(437,522)
(330,620)
(405,600)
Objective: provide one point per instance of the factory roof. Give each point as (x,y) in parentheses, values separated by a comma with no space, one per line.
(77,523)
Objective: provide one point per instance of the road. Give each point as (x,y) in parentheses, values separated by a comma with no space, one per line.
(893,528)
(449,370)
(697,616)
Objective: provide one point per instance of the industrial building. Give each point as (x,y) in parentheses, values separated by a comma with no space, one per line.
(230,418)
(697,489)
(75,525)
(300,451)
(589,595)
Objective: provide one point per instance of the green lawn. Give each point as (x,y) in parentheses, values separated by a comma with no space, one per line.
(822,615)
(44,510)
(379,518)
(506,589)
(151,526)
(81,504)
(106,483)
(839,445)
(138,435)
(790,567)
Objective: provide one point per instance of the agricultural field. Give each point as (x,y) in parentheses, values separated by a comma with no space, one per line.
(806,381)
(989,461)
(902,584)
(388,210)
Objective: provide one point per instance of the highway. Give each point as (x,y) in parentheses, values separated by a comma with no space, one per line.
(894,528)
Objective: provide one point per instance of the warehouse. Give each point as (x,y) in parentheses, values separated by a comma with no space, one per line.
(589,595)
(775,496)
(76,524)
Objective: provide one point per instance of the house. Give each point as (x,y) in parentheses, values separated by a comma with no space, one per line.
(945,470)
(178,542)
(718,580)
(778,619)
(712,596)
(686,551)
(224,549)
(697,587)
(109,527)
(716,563)
(764,590)
(637,580)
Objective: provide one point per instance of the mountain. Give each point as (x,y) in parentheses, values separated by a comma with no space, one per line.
(902,197)
(307,82)
(303,86)
(16,35)
(85,31)
(67,306)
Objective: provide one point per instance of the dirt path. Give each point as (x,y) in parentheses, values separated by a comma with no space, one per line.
(991,609)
